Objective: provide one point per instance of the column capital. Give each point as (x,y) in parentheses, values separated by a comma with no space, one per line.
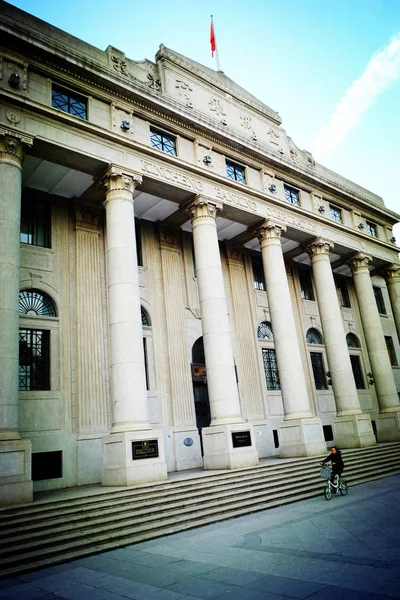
(269,230)
(119,179)
(359,262)
(392,273)
(203,208)
(13,144)
(319,247)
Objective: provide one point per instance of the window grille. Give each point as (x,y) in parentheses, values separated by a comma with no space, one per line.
(391,351)
(264,331)
(372,229)
(336,214)
(292,195)
(145,319)
(34,359)
(352,341)
(35,223)
(163,141)
(306,285)
(236,172)
(379,300)
(318,370)
(271,369)
(357,371)
(69,102)
(34,302)
(313,336)
(258,275)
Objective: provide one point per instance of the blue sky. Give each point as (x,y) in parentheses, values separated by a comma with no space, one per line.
(300,57)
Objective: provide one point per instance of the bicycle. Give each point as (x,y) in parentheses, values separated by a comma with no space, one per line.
(340,483)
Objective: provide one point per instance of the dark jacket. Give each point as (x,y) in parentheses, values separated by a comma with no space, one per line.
(336,459)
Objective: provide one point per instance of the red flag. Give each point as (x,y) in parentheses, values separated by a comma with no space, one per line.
(212,38)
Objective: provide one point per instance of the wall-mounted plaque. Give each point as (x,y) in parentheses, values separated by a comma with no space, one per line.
(241,439)
(145,449)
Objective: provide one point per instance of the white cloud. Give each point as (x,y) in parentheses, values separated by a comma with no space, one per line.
(382,69)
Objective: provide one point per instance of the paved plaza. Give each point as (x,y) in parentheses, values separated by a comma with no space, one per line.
(346,549)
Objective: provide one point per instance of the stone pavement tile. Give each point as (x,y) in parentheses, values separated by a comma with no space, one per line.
(6,583)
(141,557)
(237,577)
(81,591)
(248,594)
(390,589)
(96,562)
(49,571)
(202,588)
(162,577)
(285,586)
(52,583)
(82,575)
(332,593)
(22,590)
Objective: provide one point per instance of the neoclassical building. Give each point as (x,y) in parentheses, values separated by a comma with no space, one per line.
(180,285)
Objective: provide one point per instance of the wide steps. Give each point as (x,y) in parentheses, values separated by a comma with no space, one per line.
(49,532)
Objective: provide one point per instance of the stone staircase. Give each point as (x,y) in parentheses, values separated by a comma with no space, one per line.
(48,532)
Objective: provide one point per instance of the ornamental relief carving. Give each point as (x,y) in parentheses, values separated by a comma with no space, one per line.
(234,253)
(246,122)
(184,90)
(87,218)
(170,238)
(12,145)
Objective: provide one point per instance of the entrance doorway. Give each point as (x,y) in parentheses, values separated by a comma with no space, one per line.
(200,390)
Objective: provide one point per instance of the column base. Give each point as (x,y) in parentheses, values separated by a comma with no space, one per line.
(353,431)
(229,446)
(133,457)
(388,426)
(187,449)
(301,437)
(16,485)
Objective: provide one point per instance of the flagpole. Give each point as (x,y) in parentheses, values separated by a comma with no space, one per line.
(216,46)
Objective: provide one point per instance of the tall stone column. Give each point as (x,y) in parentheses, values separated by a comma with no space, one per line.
(392,276)
(352,428)
(15,453)
(388,421)
(132,437)
(301,433)
(228,442)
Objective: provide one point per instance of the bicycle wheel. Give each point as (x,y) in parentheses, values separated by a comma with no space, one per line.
(343,489)
(328,492)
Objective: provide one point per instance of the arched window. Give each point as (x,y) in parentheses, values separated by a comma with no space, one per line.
(314,337)
(34,341)
(264,331)
(198,357)
(145,319)
(352,341)
(34,302)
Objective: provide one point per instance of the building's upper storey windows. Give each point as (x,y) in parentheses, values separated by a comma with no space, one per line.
(336,213)
(372,229)
(68,101)
(292,195)
(163,141)
(235,171)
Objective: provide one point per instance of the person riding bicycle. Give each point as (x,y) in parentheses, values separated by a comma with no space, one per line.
(336,459)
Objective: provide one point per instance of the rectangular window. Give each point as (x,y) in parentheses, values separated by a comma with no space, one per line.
(35,223)
(391,351)
(34,359)
(271,369)
(328,433)
(258,275)
(138,234)
(46,465)
(372,229)
(317,364)
(69,102)
(342,292)
(236,172)
(379,300)
(336,213)
(292,195)
(306,285)
(357,372)
(163,141)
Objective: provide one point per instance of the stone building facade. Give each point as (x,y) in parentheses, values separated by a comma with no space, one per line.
(180,285)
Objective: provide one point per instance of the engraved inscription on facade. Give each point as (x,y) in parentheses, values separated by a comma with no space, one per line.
(120,66)
(291,220)
(172,176)
(216,106)
(273,137)
(246,121)
(236,200)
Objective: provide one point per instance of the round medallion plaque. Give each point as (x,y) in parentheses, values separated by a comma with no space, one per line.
(188,442)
